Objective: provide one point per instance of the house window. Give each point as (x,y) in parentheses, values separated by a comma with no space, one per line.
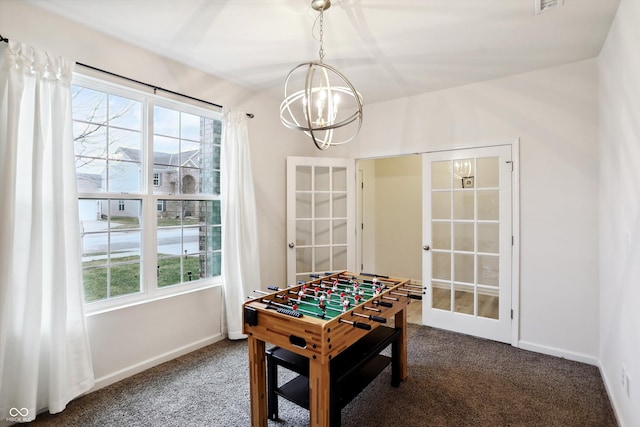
(184,148)
(173,170)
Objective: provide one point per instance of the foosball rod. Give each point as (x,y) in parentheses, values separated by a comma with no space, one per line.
(408,295)
(355,324)
(381,279)
(359,325)
(288,307)
(366,316)
(365,279)
(310,303)
(350,280)
(413,285)
(346,278)
(415,291)
(326,285)
(363,305)
(345,286)
(374,318)
(353,313)
(382,303)
(370,317)
(292,292)
(403,286)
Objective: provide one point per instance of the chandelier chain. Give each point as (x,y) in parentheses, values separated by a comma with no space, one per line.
(321,51)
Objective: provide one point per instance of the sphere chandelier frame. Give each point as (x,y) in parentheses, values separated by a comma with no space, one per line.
(320,99)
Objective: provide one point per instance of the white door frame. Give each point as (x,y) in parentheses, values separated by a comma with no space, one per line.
(515,219)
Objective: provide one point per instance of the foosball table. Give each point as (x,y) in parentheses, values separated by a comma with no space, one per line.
(319,320)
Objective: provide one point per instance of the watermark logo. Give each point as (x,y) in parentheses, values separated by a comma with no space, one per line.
(19,415)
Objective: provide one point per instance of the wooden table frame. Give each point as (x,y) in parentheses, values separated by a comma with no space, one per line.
(277,328)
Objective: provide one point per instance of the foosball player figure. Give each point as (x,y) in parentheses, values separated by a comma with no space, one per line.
(328,294)
(321,302)
(345,304)
(356,299)
(316,291)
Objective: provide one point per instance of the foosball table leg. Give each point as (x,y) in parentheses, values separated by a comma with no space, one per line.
(395,363)
(401,322)
(272,384)
(319,394)
(257,384)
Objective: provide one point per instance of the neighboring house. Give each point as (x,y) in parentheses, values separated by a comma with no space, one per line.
(173,173)
(89,210)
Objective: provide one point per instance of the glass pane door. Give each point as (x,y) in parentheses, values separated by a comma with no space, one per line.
(467,231)
(320,214)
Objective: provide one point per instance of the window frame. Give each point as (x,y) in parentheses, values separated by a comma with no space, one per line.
(149,290)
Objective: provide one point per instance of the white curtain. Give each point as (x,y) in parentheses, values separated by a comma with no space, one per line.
(44,348)
(240,260)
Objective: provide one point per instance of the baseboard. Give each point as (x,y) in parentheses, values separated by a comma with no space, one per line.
(552,351)
(154,361)
(614,403)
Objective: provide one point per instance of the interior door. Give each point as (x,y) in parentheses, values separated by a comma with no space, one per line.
(320,216)
(467,232)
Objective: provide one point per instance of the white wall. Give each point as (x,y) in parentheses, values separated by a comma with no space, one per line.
(129,340)
(619,117)
(398,216)
(554,114)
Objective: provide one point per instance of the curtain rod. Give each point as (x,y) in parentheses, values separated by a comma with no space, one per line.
(154,87)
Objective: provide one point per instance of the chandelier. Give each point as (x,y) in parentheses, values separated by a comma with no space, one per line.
(320,100)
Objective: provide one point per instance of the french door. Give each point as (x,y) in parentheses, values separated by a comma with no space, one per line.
(467,237)
(320,216)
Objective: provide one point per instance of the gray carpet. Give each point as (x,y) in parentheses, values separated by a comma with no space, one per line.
(454,380)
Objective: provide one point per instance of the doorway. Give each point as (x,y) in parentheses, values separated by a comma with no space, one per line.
(392,227)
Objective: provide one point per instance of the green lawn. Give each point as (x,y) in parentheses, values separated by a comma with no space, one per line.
(125,275)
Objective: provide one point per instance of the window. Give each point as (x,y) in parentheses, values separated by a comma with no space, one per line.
(128,175)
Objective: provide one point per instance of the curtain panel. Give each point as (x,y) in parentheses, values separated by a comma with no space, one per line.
(45,359)
(240,259)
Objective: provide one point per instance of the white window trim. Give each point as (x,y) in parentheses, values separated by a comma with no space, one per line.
(149,290)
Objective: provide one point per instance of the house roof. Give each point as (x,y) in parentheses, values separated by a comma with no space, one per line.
(185,158)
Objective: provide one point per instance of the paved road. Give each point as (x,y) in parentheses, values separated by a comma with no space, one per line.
(170,241)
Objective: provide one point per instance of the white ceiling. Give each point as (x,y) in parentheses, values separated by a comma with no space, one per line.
(387,48)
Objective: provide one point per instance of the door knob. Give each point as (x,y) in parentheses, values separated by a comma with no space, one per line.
(291,245)
(426,247)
